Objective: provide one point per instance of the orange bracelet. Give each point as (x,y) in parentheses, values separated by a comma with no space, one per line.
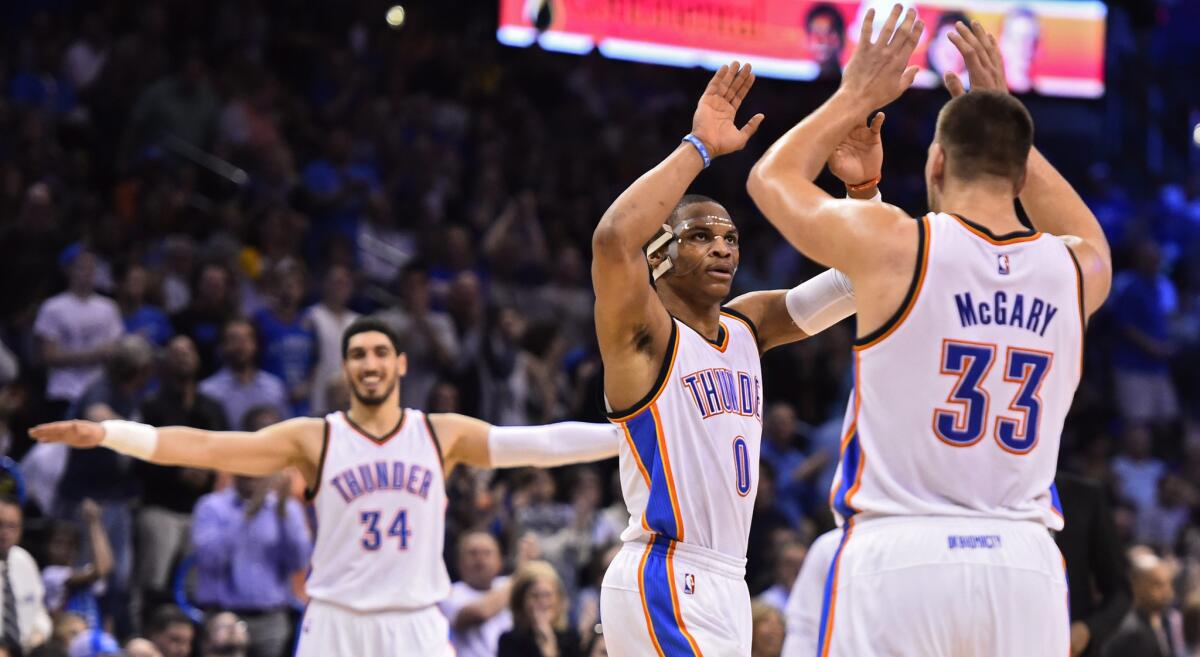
(864,185)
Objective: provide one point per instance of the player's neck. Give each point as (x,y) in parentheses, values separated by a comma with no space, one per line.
(704,316)
(988,204)
(378,419)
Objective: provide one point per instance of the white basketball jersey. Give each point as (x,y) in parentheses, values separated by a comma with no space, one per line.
(689,461)
(381,517)
(960,398)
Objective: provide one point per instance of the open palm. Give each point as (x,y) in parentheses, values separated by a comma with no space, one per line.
(713,122)
(859,158)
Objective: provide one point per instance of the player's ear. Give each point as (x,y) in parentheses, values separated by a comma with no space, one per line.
(401,365)
(937,163)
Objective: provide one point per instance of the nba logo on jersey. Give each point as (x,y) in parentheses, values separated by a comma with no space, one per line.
(689,583)
(1002,263)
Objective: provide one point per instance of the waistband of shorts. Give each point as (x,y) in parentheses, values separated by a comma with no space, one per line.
(866,523)
(386,611)
(702,558)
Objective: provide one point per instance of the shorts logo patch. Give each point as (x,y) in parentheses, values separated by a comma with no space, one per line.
(689,583)
(977,542)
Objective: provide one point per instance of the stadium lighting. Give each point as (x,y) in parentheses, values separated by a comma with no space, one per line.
(395,16)
(1196,134)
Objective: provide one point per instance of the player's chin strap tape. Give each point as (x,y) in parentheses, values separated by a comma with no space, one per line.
(552,445)
(665,236)
(131,438)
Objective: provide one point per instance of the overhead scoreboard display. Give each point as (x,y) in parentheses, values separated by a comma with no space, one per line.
(1051,47)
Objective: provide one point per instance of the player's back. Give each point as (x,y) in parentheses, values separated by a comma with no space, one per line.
(689,462)
(380,506)
(960,399)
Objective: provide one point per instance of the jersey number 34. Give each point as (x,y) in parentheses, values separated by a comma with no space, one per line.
(967,421)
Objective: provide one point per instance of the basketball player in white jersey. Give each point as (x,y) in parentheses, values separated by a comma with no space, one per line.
(969,351)
(376,477)
(683,380)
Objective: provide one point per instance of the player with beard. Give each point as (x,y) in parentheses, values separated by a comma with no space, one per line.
(376,477)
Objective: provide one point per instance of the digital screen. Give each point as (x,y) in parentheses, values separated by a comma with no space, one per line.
(1050,47)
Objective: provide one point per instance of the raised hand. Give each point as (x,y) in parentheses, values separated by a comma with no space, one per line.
(713,122)
(859,158)
(79,434)
(878,72)
(981,53)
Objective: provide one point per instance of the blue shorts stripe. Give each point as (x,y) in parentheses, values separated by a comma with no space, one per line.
(660,512)
(827,600)
(851,461)
(1054,500)
(657,592)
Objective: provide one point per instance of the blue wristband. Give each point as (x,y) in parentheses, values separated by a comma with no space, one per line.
(695,141)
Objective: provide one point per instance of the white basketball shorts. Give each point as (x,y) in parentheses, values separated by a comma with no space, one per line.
(945,587)
(675,600)
(330,630)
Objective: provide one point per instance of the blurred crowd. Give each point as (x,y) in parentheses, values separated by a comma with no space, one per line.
(196,198)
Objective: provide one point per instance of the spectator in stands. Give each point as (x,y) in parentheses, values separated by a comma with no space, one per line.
(212,306)
(596,647)
(67,626)
(788,558)
(1160,524)
(183,107)
(329,318)
(1136,469)
(1143,299)
(94,642)
(1097,574)
(72,587)
(139,647)
(427,335)
(477,607)
(765,524)
(768,630)
(169,493)
(139,316)
(77,329)
(289,344)
(248,540)
(240,385)
(339,187)
(171,631)
(539,611)
(780,446)
(1153,628)
(24,623)
(226,635)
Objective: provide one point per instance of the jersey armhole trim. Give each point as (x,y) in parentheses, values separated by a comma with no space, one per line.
(660,383)
(910,298)
(437,444)
(310,493)
(744,319)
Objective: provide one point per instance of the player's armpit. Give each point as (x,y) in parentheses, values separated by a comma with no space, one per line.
(463,440)
(1095,267)
(767,310)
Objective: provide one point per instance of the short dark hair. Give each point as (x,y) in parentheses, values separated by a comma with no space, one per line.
(985,133)
(828,11)
(687,201)
(11,500)
(367,325)
(164,617)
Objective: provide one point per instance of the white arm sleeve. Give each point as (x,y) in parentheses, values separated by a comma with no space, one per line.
(552,445)
(821,301)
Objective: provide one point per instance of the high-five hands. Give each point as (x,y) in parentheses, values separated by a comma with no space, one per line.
(982,56)
(713,122)
(859,158)
(878,72)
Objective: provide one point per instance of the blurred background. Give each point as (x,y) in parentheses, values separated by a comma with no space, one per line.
(195,199)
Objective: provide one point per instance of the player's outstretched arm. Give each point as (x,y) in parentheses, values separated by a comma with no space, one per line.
(291,443)
(629,316)
(1051,202)
(786,316)
(838,232)
(479,444)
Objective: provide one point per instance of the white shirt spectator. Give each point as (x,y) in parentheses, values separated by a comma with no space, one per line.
(76,324)
(83,62)
(43,467)
(803,611)
(32,619)
(483,639)
(329,328)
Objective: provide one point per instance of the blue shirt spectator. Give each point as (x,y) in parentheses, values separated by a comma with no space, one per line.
(288,339)
(1143,301)
(779,447)
(248,540)
(339,188)
(241,385)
